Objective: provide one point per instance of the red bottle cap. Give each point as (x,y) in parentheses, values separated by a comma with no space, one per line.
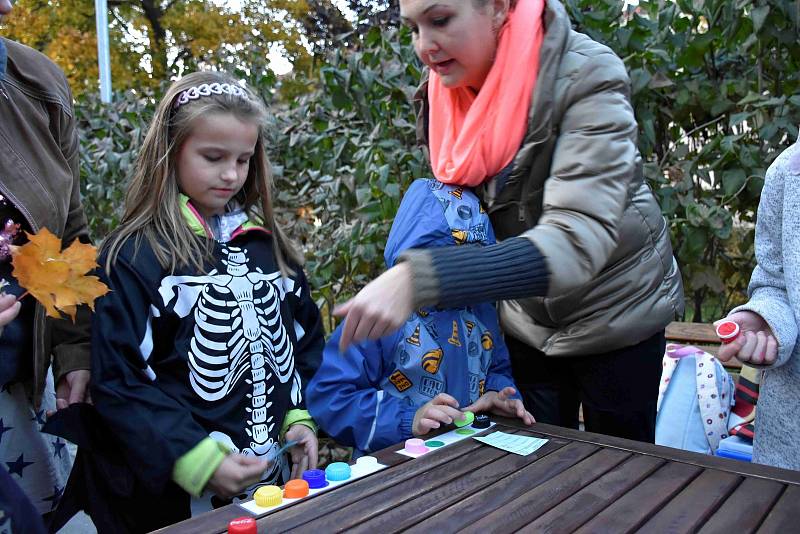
(727,331)
(243,525)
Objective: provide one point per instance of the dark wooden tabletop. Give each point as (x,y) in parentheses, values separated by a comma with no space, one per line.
(577,482)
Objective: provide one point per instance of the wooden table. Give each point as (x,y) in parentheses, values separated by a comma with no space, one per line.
(577,482)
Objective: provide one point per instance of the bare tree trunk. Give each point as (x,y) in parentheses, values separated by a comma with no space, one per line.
(158,37)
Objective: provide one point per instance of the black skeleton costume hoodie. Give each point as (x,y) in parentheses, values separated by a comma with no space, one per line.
(184,356)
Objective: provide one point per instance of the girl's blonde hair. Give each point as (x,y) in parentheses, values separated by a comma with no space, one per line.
(152,204)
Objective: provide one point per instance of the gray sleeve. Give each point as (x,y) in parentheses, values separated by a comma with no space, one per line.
(767,290)
(462,275)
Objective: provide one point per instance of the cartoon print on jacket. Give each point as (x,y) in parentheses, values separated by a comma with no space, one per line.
(367,396)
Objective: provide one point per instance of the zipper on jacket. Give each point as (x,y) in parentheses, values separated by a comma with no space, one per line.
(3,91)
(22,209)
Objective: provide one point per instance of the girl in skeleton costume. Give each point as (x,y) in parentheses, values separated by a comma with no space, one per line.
(202,350)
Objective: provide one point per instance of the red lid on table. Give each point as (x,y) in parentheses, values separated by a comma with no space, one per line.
(243,525)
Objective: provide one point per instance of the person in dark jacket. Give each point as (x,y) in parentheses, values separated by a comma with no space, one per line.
(44,362)
(442,361)
(18,512)
(537,118)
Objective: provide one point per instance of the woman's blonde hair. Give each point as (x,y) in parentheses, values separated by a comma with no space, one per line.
(153,211)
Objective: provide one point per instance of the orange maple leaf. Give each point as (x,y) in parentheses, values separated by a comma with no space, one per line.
(57,279)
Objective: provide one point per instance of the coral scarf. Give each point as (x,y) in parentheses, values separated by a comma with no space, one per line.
(473,137)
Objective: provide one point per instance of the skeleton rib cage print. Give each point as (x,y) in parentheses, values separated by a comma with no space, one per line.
(239,335)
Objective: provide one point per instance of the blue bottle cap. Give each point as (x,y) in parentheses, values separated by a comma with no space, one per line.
(337,471)
(315,478)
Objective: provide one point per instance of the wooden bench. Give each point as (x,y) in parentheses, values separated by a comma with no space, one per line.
(700,335)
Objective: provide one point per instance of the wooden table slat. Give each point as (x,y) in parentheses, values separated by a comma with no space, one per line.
(746,508)
(701,460)
(588,502)
(217,522)
(212,522)
(541,498)
(303,511)
(692,332)
(578,482)
(695,504)
(785,515)
(439,502)
(638,504)
(387,497)
(489,498)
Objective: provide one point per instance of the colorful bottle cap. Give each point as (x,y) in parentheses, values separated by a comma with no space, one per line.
(365,461)
(243,525)
(315,478)
(481,421)
(267,496)
(727,331)
(416,446)
(469,417)
(337,471)
(434,444)
(295,489)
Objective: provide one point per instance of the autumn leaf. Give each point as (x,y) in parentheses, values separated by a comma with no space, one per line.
(57,279)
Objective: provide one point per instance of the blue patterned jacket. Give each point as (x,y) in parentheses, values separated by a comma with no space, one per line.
(367,396)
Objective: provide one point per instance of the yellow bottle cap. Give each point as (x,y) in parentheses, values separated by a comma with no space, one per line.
(267,496)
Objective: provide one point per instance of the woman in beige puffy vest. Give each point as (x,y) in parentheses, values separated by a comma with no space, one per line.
(537,119)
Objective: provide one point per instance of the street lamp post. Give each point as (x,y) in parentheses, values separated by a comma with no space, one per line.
(103,55)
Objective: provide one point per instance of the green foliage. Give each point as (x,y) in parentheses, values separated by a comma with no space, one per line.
(715,88)
(717,95)
(110,136)
(344,155)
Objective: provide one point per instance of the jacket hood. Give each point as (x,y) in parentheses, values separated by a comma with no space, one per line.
(433,214)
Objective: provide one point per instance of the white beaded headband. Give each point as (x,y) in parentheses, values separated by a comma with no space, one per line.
(208,89)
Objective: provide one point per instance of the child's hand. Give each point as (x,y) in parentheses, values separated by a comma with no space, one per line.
(9,309)
(442,409)
(235,474)
(755,344)
(304,454)
(499,403)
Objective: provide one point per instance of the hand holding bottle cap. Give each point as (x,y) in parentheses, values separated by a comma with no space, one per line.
(469,417)
(727,331)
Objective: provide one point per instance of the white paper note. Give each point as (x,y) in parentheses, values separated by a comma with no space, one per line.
(522,445)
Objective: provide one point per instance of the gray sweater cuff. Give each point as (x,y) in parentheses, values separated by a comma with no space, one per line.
(426,287)
(458,276)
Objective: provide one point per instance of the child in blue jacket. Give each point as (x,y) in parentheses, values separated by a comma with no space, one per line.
(378,393)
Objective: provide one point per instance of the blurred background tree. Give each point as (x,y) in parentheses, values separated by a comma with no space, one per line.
(153,40)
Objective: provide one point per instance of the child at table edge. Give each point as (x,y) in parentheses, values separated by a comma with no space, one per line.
(405,384)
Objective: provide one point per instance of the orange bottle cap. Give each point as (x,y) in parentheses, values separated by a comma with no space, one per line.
(295,489)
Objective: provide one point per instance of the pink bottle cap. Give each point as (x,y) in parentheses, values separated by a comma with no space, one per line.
(416,446)
(727,331)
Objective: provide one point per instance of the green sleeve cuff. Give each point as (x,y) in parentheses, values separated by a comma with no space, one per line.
(193,470)
(298,417)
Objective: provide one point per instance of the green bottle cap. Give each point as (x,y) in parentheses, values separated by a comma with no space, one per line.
(469,417)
